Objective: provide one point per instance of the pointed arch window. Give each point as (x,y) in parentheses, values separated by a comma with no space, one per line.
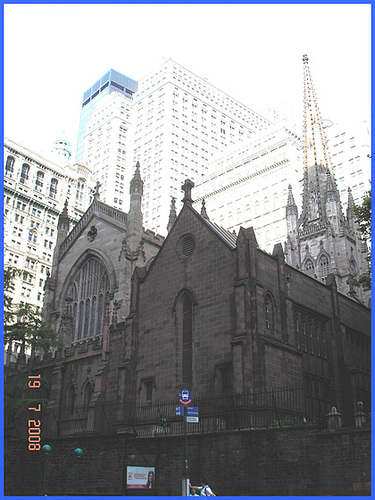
(269,312)
(184,323)
(90,293)
(187,340)
(71,400)
(39,181)
(9,166)
(87,393)
(324,268)
(24,173)
(309,267)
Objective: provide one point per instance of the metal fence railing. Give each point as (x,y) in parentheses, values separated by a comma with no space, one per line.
(274,408)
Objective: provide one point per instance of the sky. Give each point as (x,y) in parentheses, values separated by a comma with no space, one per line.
(54,52)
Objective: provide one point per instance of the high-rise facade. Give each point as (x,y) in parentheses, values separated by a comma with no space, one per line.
(181,123)
(103,134)
(350,149)
(35,191)
(249,186)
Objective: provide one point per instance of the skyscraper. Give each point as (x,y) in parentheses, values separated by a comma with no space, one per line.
(103,133)
(181,123)
(249,186)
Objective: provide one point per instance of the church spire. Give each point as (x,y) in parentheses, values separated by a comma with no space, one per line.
(203,210)
(315,143)
(135,217)
(172,214)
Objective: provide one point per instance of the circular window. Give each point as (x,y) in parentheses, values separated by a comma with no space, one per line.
(187,245)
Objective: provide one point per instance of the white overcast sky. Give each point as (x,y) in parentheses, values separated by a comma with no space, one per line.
(253,52)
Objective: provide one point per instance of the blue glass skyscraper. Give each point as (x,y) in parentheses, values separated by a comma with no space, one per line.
(112,81)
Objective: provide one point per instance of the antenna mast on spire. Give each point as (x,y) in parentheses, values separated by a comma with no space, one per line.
(315,142)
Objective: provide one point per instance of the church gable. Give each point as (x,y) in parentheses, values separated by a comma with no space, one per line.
(182,313)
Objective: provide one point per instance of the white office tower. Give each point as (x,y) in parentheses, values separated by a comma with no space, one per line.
(350,148)
(182,123)
(249,186)
(103,137)
(36,190)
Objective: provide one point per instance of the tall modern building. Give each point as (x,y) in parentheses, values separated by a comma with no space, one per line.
(35,191)
(350,149)
(181,123)
(103,134)
(249,186)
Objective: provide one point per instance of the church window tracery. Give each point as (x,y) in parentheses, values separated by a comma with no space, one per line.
(309,267)
(87,393)
(324,268)
(269,312)
(90,293)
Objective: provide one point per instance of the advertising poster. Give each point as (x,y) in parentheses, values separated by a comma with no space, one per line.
(138,477)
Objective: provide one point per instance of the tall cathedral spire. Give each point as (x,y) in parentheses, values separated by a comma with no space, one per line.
(315,143)
(318,182)
(322,240)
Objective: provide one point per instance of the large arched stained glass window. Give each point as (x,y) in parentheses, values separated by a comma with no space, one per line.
(90,294)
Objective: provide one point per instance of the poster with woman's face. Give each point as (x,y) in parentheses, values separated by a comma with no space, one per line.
(138,477)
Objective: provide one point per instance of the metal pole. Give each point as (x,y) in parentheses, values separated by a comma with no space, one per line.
(78,452)
(46,448)
(186,458)
(77,470)
(44,474)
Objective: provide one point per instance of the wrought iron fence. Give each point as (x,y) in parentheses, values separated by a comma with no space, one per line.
(275,408)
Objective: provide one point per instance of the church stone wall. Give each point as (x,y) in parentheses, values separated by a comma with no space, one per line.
(208,275)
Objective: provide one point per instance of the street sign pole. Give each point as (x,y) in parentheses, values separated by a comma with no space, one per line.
(185,399)
(186,459)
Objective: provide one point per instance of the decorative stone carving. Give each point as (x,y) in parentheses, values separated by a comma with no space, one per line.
(91,235)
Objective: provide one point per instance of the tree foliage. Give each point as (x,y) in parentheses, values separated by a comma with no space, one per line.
(363,219)
(23,323)
(24,326)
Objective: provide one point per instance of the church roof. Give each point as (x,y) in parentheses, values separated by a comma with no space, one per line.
(229,238)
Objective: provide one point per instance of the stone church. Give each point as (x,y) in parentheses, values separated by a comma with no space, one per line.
(88,292)
(141,318)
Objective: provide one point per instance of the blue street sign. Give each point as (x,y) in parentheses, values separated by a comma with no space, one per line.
(192,411)
(179,411)
(184,396)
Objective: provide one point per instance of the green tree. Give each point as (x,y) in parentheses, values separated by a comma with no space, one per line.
(363,219)
(23,323)
(24,326)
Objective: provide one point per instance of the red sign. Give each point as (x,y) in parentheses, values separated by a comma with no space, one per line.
(185,403)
